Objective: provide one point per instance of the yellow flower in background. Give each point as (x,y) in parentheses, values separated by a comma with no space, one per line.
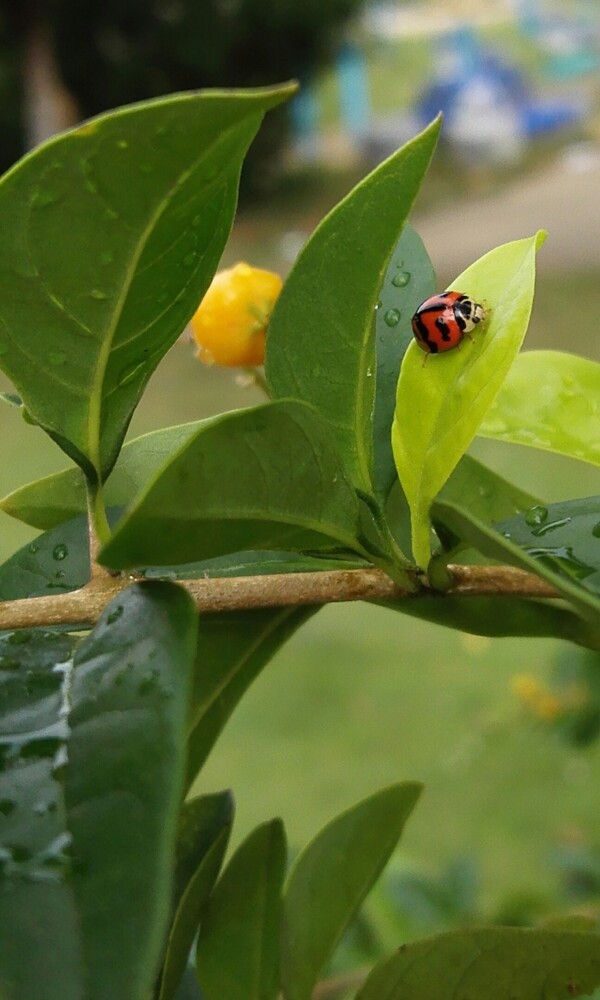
(230,324)
(539,699)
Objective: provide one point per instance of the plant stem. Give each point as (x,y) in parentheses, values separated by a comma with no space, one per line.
(277,590)
(98,529)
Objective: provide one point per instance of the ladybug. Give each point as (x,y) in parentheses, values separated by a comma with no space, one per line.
(441,322)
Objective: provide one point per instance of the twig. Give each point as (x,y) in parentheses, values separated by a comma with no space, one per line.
(277,590)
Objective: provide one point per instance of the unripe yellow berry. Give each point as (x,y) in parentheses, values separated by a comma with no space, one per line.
(230,324)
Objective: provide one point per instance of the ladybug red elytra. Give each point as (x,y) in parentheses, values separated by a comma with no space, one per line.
(441,322)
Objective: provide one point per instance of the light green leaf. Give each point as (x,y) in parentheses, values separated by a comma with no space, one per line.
(267,477)
(110,235)
(321,345)
(549,400)
(50,501)
(331,878)
(440,404)
(238,946)
(491,963)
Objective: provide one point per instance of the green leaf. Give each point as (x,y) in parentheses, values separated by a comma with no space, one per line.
(440,405)
(41,945)
(321,346)
(267,477)
(549,400)
(480,616)
(484,493)
(491,963)
(571,567)
(238,945)
(233,648)
(125,779)
(331,878)
(409,280)
(203,835)
(54,563)
(111,234)
(94,760)
(60,497)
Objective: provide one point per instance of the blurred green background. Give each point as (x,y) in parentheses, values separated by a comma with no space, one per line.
(364,696)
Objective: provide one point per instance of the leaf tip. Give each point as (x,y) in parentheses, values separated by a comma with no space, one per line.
(540,238)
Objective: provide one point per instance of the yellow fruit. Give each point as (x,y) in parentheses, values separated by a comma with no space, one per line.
(230,324)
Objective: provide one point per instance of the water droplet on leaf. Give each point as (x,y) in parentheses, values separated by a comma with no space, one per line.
(543,529)
(536,515)
(114,614)
(401,279)
(60,552)
(392,317)
(98,294)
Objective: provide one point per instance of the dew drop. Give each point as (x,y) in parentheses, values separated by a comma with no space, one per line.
(561,558)
(98,294)
(536,515)
(401,279)
(122,144)
(7,806)
(392,317)
(114,615)
(596,530)
(130,371)
(399,263)
(33,548)
(60,552)
(20,637)
(543,529)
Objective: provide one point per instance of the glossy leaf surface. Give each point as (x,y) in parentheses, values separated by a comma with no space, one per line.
(233,648)
(321,345)
(409,280)
(104,740)
(440,403)
(110,236)
(491,963)
(238,945)
(569,560)
(41,943)
(549,400)
(331,878)
(267,477)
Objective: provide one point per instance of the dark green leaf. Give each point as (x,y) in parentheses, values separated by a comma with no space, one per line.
(92,778)
(409,280)
(569,566)
(111,234)
(492,963)
(60,497)
(484,493)
(41,943)
(321,344)
(512,616)
(267,477)
(232,650)
(54,563)
(331,878)
(204,829)
(124,781)
(238,946)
